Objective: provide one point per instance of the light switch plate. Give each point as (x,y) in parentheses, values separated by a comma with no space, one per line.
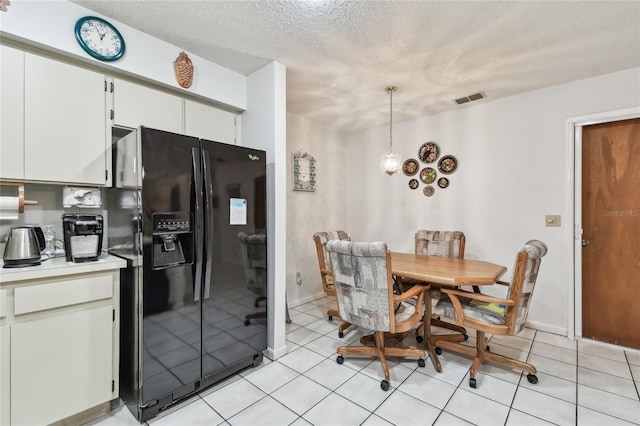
(552,220)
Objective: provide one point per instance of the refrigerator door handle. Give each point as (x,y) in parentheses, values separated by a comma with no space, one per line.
(208,209)
(197,183)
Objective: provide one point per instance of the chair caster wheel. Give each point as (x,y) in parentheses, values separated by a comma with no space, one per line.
(384,385)
(340,334)
(438,350)
(257,305)
(532,378)
(488,349)
(340,359)
(472,383)
(330,317)
(247,322)
(421,363)
(419,339)
(465,337)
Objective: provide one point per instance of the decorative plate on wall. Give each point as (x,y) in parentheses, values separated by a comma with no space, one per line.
(413,183)
(443,182)
(428,190)
(429,152)
(410,167)
(428,175)
(448,164)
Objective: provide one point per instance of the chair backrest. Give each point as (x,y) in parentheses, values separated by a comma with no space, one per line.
(440,243)
(525,273)
(324,261)
(364,283)
(254,257)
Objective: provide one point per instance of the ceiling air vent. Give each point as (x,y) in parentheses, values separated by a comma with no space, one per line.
(469,98)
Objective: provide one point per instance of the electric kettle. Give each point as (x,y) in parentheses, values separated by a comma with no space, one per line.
(23,247)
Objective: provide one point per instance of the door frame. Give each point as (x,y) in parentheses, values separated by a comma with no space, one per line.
(573,208)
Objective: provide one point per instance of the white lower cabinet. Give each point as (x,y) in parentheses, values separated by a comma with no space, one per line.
(59,341)
(60,365)
(6,375)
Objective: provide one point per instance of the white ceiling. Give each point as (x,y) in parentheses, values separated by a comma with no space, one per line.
(340,55)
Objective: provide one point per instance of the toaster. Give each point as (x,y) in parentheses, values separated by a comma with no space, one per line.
(82,236)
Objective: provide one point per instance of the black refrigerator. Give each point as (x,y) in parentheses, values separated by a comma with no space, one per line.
(178,211)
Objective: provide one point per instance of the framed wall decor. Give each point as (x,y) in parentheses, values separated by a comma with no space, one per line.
(303,168)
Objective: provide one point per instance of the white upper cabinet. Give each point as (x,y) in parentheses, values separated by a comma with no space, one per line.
(137,105)
(65,137)
(207,122)
(11,113)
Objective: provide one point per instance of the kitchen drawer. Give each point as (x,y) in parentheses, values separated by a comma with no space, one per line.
(65,292)
(3,303)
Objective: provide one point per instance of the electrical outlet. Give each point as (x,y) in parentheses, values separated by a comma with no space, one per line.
(298,278)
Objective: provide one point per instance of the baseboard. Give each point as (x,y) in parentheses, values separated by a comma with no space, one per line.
(274,354)
(546,328)
(311,298)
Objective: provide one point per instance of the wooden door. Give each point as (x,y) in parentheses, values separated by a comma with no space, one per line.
(611,232)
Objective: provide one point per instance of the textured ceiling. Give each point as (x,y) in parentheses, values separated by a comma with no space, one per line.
(340,55)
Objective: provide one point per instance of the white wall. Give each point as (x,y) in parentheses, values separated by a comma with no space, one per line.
(512,155)
(311,212)
(264,126)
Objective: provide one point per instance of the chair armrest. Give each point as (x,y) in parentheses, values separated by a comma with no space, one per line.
(477,296)
(412,292)
(326,271)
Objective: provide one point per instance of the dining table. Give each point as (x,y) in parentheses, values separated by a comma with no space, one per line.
(445,271)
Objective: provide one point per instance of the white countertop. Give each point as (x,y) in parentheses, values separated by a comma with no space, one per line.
(59,266)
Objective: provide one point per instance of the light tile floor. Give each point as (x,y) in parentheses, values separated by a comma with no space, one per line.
(580,383)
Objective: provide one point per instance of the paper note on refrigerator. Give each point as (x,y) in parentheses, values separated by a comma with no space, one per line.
(237,211)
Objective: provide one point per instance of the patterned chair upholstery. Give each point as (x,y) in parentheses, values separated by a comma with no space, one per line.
(440,243)
(443,244)
(494,315)
(364,288)
(326,270)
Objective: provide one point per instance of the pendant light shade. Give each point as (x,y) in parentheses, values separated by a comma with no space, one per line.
(390,161)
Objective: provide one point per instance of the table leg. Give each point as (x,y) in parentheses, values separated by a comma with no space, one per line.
(426,324)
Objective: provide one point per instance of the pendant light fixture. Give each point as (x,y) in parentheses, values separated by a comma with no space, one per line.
(390,161)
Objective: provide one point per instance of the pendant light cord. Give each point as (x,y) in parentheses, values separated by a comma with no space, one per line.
(391,119)
(390,90)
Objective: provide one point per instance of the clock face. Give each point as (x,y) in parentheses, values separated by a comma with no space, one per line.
(99,38)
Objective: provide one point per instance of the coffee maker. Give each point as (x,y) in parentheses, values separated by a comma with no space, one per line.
(82,236)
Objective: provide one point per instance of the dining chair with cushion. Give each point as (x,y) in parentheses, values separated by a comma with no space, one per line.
(494,315)
(364,288)
(326,271)
(443,244)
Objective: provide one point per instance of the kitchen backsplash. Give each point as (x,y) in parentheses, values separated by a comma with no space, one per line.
(48,211)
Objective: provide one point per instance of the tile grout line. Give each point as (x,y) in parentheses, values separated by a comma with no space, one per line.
(533,338)
(633,379)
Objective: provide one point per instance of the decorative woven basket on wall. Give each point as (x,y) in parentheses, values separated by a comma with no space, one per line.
(184,70)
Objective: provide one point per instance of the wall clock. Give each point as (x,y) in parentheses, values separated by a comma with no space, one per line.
(99,38)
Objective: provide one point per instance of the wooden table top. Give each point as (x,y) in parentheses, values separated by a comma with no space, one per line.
(445,270)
